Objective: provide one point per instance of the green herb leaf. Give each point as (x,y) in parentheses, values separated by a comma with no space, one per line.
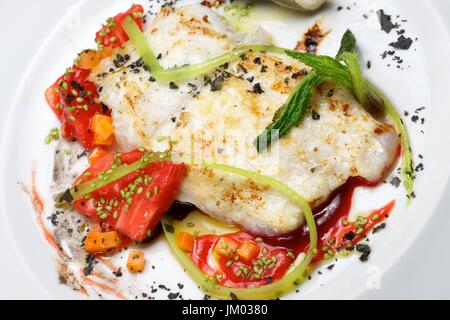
(325,66)
(348,43)
(291,114)
(360,88)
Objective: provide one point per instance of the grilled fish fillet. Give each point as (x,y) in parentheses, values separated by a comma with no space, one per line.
(216,117)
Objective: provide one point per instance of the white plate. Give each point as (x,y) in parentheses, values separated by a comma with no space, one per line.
(423,84)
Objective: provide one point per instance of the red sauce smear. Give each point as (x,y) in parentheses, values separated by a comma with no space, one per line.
(89,282)
(277,253)
(38,206)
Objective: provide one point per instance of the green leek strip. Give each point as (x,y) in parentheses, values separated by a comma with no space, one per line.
(283,286)
(140,43)
(166,76)
(407,159)
(360,88)
(118,173)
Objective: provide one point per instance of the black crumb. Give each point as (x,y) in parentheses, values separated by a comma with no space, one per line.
(395,181)
(315,115)
(118,273)
(233,296)
(163,287)
(257,89)
(217,83)
(378,228)
(385,21)
(173,86)
(402,43)
(173,295)
(365,250)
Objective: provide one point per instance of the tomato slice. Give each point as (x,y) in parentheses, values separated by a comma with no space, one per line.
(112,34)
(74,100)
(134,204)
(151,202)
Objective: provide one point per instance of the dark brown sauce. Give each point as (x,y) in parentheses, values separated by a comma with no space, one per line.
(312,39)
(327,216)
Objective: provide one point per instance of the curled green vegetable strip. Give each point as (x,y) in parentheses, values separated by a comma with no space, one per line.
(289,282)
(407,158)
(141,45)
(166,76)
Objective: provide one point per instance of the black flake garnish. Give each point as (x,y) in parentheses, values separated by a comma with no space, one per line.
(173,86)
(315,115)
(169,228)
(66,197)
(257,89)
(173,296)
(395,181)
(379,228)
(350,236)
(233,296)
(385,21)
(118,273)
(365,250)
(402,43)
(217,84)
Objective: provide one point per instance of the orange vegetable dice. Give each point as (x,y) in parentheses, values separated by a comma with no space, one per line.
(105,53)
(98,242)
(96,154)
(226,247)
(185,241)
(87,60)
(136,261)
(248,250)
(90,59)
(103,129)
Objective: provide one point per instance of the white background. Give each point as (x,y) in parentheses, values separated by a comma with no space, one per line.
(423,273)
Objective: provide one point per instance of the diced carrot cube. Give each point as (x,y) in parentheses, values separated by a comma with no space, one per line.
(88,60)
(103,129)
(136,261)
(96,154)
(248,250)
(105,53)
(98,242)
(226,247)
(185,241)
